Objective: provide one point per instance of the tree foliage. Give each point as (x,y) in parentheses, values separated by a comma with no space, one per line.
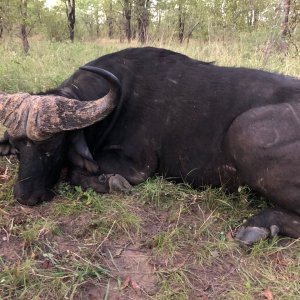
(150,20)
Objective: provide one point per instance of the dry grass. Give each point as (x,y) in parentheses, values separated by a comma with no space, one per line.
(164,241)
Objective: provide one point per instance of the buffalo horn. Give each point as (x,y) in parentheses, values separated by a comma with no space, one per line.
(39,117)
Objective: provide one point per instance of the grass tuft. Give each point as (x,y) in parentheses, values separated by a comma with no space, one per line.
(83,242)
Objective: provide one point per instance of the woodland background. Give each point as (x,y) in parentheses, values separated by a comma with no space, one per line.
(150,21)
(163,241)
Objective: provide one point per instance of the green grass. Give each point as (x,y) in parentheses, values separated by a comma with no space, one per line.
(30,280)
(49,63)
(82,239)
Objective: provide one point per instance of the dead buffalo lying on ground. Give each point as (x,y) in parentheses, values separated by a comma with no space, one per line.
(165,114)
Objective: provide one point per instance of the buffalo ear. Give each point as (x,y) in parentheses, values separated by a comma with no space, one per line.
(79,153)
(5,146)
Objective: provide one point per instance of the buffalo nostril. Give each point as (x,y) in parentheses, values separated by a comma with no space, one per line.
(28,202)
(22,198)
(47,195)
(31,199)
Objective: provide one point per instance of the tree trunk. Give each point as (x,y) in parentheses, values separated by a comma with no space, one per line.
(24,34)
(110,21)
(294,17)
(110,28)
(70,10)
(1,22)
(97,30)
(143,20)
(285,30)
(97,23)
(189,35)
(127,19)
(255,17)
(181,22)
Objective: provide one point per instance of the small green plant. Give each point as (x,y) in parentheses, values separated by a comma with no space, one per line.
(60,248)
(38,229)
(174,285)
(27,280)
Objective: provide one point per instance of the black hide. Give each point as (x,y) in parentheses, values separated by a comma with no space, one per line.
(194,122)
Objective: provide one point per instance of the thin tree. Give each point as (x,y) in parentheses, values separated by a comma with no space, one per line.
(143,13)
(127,12)
(181,21)
(110,20)
(23,31)
(294,17)
(97,18)
(1,21)
(252,13)
(285,30)
(70,11)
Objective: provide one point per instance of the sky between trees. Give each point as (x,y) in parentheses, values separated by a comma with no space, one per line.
(148,20)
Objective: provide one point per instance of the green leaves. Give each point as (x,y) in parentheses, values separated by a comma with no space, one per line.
(168,19)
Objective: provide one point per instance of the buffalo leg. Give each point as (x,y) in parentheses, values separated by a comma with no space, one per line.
(269,222)
(264,145)
(105,183)
(116,172)
(135,167)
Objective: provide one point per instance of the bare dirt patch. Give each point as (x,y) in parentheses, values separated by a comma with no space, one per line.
(10,247)
(128,248)
(132,274)
(135,269)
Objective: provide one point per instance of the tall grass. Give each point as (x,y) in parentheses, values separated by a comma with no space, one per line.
(49,63)
(55,248)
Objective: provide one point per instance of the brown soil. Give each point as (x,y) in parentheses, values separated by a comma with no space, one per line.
(135,268)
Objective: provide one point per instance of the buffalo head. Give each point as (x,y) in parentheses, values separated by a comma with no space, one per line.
(37,132)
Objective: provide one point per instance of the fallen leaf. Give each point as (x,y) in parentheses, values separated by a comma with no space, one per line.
(46,264)
(134,285)
(126,282)
(215,253)
(43,232)
(229,236)
(268,294)
(4,212)
(279,259)
(5,176)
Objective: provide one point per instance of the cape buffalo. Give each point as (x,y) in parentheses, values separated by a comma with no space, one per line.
(164,113)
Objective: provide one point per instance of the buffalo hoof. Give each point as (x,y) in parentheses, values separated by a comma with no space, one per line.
(116,183)
(248,235)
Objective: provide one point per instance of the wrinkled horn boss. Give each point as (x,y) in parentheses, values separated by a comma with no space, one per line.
(39,117)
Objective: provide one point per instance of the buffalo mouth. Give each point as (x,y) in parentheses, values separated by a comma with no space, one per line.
(35,198)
